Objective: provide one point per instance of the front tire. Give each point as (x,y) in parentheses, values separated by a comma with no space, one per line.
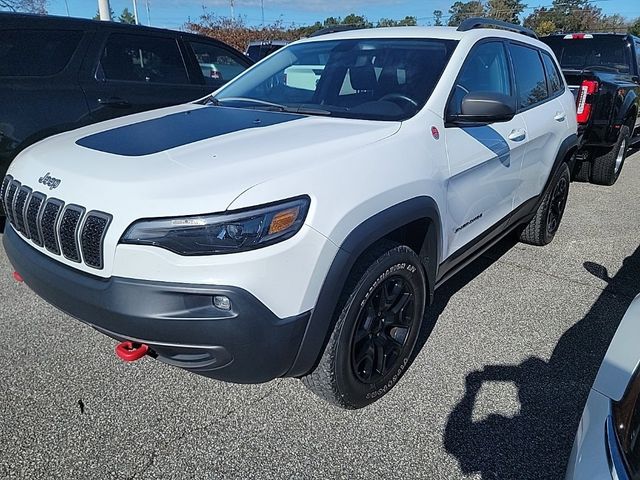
(545,223)
(606,168)
(376,329)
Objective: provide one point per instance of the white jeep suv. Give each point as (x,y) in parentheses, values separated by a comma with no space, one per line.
(300,230)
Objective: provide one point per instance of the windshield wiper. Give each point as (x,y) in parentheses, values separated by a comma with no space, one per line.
(263,104)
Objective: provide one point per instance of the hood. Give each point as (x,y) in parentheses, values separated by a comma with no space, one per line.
(189,159)
(183,160)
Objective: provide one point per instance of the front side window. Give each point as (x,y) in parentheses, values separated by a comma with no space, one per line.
(485,70)
(531,83)
(137,58)
(377,79)
(553,75)
(36,53)
(217,64)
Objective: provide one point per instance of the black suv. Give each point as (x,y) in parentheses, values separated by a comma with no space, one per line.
(59,73)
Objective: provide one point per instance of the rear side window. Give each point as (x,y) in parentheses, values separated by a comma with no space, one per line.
(216,64)
(608,52)
(36,53)
(553,75)
(485,70)
(136,58)
(530,77)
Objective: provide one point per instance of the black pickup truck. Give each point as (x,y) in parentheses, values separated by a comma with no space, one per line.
(602,70)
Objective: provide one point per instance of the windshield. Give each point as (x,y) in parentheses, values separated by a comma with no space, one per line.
(607,52)
(374,79)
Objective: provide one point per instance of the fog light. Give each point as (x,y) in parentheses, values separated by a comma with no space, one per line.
(222,302)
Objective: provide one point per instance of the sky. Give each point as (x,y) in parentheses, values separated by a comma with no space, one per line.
(174,13)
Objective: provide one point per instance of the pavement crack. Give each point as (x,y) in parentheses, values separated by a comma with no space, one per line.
(207,426)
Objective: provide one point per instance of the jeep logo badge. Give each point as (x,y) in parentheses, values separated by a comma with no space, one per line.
(49,181)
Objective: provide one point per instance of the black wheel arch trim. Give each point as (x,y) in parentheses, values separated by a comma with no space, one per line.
(625,111)
(357,242)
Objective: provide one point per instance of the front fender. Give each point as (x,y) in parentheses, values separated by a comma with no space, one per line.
(362,237)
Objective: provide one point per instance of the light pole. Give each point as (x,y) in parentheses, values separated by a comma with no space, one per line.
(66,4)
(104,9)
(148,12)
(135,11)
(262,9)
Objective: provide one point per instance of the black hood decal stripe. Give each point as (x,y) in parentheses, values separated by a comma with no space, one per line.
(178,129)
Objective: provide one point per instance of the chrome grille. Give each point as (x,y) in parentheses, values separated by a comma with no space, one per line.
(69,232)
(11,195)
(49,223)
(66,231)
(95,226)
(3,191)
(18,211)
(33,215)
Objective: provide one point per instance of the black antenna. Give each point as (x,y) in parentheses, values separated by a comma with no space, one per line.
(478,22)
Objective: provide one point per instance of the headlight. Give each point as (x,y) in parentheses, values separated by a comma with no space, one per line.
(224,232)
(626,418)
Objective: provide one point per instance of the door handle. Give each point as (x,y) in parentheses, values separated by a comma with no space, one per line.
(560,116)
(116,102)
(518,135)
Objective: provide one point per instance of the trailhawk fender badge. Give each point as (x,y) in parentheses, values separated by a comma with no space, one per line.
(49,181)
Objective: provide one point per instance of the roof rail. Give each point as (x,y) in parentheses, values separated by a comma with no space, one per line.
(478,22)
(335,29)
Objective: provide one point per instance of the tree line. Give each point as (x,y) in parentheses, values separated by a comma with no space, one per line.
(560,17)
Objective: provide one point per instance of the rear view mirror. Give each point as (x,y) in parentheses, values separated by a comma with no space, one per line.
(485,107)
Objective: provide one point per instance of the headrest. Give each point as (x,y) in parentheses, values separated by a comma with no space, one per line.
(363,78)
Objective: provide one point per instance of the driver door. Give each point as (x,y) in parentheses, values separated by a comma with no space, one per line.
(484,160)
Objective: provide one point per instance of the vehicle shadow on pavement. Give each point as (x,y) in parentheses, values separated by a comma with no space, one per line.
(536,442)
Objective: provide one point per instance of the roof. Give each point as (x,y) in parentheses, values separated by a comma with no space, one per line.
(444,33)
(52,21)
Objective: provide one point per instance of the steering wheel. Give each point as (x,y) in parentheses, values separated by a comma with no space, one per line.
(399,96)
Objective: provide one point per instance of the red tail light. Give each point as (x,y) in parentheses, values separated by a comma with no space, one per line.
(588,87)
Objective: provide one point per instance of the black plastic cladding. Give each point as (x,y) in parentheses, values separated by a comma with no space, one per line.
(49,224)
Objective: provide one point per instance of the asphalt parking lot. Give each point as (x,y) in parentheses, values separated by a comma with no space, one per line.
(495,392)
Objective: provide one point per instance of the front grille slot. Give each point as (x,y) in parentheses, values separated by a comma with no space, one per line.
(3,192)
(69,232)
(48,223)
(92,237)
(11,195)
(18,212)
(33,215)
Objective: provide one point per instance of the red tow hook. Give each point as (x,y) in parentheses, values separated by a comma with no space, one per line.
(17,277)
(131,351)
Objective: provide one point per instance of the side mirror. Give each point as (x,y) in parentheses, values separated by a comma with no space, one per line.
(485,107)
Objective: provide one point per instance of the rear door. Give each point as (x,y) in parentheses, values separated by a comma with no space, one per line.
(136,71)
(484,161)
(39,90)
(538,89)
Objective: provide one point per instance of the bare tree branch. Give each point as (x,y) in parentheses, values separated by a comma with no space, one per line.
(28,6)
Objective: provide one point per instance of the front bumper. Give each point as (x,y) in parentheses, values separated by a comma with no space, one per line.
(247,344)
(595,453)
